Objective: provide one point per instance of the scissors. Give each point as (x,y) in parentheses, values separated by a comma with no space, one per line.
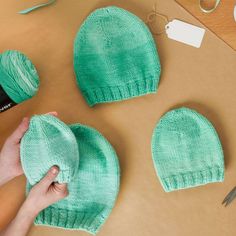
(230,197)
(208,10)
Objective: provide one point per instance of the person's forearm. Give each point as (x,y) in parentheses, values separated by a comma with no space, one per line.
(21,224)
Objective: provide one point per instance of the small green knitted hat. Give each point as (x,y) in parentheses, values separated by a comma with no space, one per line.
(115,57)
(49,142)
(186,150)
(93,189)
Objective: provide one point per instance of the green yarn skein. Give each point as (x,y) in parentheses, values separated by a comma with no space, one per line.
(18,76)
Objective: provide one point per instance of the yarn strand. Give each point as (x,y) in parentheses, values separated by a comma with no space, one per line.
(28,10)
(151,17)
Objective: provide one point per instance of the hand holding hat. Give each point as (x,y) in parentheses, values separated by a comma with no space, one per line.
(10,164)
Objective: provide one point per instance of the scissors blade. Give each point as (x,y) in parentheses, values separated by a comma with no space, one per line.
(230,197)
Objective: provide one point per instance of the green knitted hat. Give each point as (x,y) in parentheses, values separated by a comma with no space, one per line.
(93,189)
(49,142)
(115,57)
(186,150)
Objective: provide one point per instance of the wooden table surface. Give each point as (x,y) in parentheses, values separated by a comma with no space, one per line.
(221,21)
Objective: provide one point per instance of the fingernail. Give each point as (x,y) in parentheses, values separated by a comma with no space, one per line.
(54,170)
(24,119)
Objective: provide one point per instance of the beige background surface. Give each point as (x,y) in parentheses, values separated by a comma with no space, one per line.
(203,79)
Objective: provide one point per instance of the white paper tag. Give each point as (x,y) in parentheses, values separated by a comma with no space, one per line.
(185,33)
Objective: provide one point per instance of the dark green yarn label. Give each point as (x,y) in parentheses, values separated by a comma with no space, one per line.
(5,101)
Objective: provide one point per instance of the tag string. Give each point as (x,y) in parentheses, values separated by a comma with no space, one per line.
(151,17)
(208,10)
(28,10)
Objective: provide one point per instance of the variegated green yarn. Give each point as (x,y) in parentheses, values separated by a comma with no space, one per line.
(115,57)
(49,142)
(18,76)
(87,162)
(186,150)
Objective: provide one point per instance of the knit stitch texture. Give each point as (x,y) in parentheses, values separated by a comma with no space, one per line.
(186,150)
(49,142)
(115,57)
(93,189)
(18,76)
